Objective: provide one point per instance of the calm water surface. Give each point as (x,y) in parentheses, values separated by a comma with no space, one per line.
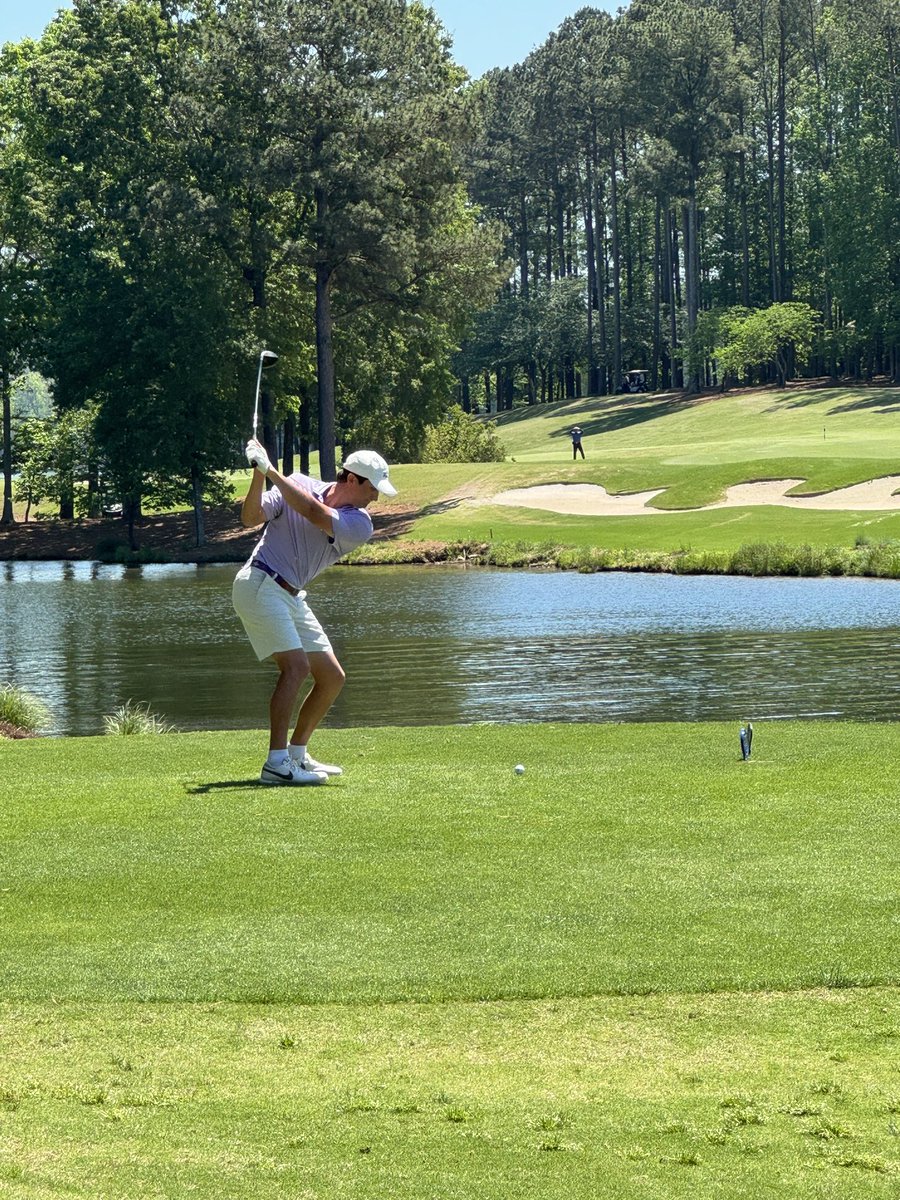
(442,645)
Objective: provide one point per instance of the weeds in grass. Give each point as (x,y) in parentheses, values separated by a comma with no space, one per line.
(358,1104)
(828,1087)
(132,717)
(828,1131)
(836,977)
(802,1110)
(22,711)
(742,1110)
(864,1162)
(687,1159)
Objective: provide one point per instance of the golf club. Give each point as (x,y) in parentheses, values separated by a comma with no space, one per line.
(266,359)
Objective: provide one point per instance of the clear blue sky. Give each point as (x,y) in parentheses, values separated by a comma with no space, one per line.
(486,33)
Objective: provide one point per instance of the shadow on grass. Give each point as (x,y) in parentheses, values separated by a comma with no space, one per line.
(875,403)
(229,785)
(396,524)
(224,785)
(810,393)
(624,412)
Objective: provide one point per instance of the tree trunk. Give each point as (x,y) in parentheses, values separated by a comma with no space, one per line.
(304,433)
(197,496)
(691,285)
(629,272)
(784,292)
(324,348)
(7,518)
(523,249)
(745,231)
(657,271)
(131,512)
(600,274)
(287,458)
(66,496)
(94,500)
(672,288)
(590,253)
(614,267)
(560,224)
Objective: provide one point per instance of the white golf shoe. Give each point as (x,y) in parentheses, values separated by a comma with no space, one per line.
(290,773)
(310,764)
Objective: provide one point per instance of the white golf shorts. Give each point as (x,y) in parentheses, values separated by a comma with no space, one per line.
(275,620)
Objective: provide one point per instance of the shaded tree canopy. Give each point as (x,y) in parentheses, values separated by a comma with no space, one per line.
(184,184)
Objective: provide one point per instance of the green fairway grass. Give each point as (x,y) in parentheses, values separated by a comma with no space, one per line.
(830,436)
(695,449)
(719,530)
(785,1095)
(627,859)
(641,968)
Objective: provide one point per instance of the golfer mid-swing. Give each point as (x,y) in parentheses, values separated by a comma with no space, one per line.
(309,526)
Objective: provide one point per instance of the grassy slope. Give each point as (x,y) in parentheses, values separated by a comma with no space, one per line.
(151,891)
(830,438)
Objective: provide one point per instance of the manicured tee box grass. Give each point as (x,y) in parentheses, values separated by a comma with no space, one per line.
(626,859)
(716,1096)
(195,971)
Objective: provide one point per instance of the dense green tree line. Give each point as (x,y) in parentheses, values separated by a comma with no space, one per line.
(705,189)
(685,159)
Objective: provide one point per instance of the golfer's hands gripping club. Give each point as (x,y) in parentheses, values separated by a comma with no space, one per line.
(257,457)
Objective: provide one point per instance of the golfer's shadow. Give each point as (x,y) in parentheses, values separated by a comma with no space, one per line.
(225,785)
(203,789)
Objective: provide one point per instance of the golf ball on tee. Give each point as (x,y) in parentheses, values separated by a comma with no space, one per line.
(520,770)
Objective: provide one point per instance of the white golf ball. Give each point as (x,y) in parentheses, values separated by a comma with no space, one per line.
(520,770)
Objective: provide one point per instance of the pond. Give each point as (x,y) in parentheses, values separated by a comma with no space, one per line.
(444,645)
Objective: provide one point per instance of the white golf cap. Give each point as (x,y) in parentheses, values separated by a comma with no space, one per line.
(371,466)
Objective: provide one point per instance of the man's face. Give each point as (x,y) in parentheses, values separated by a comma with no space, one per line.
(366,492)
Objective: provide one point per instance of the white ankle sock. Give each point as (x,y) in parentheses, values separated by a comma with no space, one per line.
(276,757)
(298,753)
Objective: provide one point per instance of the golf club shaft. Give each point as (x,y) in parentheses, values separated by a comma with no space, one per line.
(256,401)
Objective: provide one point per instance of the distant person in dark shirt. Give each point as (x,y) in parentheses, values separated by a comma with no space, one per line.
(577,448)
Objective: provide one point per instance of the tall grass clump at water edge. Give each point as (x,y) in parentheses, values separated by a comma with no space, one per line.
(132,717)
(21,712)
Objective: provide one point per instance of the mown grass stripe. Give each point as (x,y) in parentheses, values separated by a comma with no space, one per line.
(627,859)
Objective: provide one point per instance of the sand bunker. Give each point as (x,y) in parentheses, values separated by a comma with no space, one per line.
(591,500)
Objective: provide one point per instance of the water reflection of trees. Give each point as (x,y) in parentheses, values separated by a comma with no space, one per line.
(444,647)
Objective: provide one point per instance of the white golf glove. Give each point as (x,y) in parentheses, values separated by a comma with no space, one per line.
(257,457)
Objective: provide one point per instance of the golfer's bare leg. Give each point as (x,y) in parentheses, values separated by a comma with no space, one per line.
(328,679)
(293,667)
